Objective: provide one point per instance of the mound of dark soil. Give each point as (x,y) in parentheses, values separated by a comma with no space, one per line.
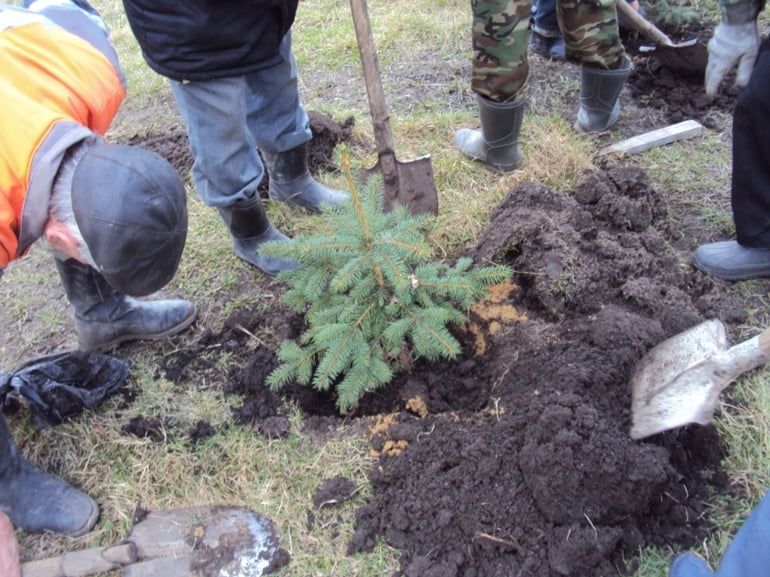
(515,459)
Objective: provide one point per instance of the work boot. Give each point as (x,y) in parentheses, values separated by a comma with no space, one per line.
(105,318)
(496,144)
(38,502)
(731,261)
(250,229)
(290,180)
(600,97)
(551,47)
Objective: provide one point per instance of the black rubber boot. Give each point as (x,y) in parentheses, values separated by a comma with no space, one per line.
(290,180)
(599,97)
(731,261)
(496,144)
(105,318)
(38,502)
(250,228)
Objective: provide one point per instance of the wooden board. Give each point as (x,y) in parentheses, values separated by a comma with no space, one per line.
(648,140)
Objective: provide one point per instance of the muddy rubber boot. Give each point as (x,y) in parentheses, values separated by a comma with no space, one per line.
(249,229)
(600,97)
(747,556)
(38,502)
(496,144)
(105,318)
(290,181)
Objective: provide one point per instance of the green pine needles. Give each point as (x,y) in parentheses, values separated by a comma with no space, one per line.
(372,298)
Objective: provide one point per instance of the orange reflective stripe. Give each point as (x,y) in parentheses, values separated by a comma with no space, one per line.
(49,75)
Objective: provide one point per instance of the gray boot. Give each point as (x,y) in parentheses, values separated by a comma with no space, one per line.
(290,180)
(599,97)
(496,144)
(104,317)
(731,261)
(38,502)
(250,228)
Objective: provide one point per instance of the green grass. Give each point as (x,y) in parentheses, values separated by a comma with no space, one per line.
(278,478)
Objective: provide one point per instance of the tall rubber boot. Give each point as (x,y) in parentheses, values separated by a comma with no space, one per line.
(105,318)
(599,97)
(496,144)
(290,181)
(747,556)
(250,229)
(36,501)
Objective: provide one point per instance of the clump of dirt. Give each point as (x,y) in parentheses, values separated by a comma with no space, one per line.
(678,93)
(524,465)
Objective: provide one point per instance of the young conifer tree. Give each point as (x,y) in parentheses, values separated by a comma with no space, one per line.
(371,296)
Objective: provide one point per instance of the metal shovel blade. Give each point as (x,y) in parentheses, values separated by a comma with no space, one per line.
(678,382)
(413,185)
(689,56)
(210,541)
(409,184)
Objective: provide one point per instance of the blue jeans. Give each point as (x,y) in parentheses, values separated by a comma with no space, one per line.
(544,18)
(227,119)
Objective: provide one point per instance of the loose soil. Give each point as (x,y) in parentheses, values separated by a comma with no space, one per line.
(514,459)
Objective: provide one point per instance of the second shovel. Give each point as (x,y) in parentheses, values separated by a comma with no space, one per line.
(409,183)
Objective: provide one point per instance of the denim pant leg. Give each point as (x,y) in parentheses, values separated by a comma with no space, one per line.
(275,114)
(226,167)
(544,19)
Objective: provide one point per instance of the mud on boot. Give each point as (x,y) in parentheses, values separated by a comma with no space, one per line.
(291,182)
(250,229)
(105,318)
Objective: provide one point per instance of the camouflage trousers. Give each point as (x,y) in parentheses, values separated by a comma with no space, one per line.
(500,36)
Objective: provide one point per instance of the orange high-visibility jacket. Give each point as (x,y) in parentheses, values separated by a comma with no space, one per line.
(60,83)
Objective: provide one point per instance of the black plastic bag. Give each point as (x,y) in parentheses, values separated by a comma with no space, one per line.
(62,385)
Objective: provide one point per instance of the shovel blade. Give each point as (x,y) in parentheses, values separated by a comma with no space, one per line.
(675,382)
(689,57)
(411,185)
(208,540)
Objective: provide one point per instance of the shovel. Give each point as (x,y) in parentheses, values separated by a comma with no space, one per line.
(409,183)
(678,381)
(211,541)
(689,56)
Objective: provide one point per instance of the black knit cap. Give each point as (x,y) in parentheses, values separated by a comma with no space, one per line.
(131,208)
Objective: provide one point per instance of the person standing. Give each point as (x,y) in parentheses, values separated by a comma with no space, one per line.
(736,45)
(233,76)
(115,218)
(501,69)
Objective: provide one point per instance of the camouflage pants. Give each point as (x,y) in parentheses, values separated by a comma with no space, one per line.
(501,33)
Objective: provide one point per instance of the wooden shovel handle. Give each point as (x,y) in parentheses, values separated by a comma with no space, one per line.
(84,562)
(383,136)
(642,24)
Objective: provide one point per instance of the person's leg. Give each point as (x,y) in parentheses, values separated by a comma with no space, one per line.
(545,37)
(500,36)
(747,556)
(749,255)
(591,37)
(227,168)
(281,128)
(38,502)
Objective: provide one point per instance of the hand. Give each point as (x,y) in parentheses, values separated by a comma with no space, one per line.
(731,44)
(9,549)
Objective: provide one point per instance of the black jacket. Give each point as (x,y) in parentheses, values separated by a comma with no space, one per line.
(207,39)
